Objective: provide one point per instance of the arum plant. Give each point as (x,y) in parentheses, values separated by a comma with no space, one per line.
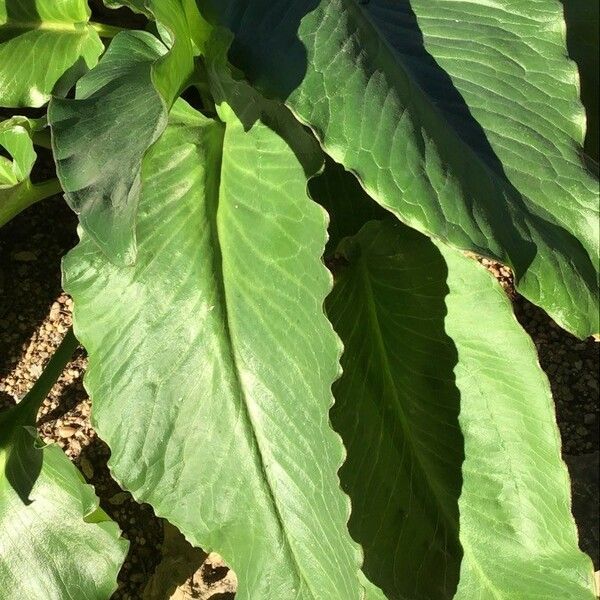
(390,140)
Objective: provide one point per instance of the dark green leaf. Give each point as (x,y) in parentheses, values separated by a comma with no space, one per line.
(120,110)
(583,37)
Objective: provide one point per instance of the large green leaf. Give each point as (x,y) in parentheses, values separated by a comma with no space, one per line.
(462,118)
(453,466)
(55,541)
(120,110)
(40,40)
(210,376)
(17,192)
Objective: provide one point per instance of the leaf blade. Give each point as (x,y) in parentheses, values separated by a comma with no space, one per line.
(132,89)
(462,417)
(461,119)
(39,42)
(102,180)
(231,244)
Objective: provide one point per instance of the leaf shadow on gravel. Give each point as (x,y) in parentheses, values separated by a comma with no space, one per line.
(137,521)
(29,283)
(68,400)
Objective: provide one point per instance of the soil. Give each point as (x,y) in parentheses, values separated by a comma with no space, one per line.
(35,314)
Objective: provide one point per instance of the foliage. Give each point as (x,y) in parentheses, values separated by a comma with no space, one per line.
(428,132)
(56,542)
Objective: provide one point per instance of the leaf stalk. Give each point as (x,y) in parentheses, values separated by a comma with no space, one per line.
(106,31)
(17,203)
(30,404)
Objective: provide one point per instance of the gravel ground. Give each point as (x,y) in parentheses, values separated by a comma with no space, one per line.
(34,316)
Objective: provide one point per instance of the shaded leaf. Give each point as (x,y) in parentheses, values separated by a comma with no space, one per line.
(454,470)
(348,205)
(102,179)
(583,40)
(120,110)
(372,592)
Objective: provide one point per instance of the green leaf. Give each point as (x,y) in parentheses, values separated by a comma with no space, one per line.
(15,138)
(453,466)
(228,86)
(55,541)
(100,138)
(39,42)
(210,376)
(121,108)
(462,119)
(514,480)
(16,190)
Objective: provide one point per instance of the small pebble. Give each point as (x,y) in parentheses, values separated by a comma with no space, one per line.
(66,431)
(55,311)
(36,370)
(24,256)
(119,498)
(87,468)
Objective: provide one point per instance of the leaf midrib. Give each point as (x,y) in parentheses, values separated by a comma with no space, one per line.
(71,27)
(214,197)
(373,320)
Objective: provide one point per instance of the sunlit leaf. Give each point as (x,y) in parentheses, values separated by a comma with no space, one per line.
(40,40)
(214,396)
